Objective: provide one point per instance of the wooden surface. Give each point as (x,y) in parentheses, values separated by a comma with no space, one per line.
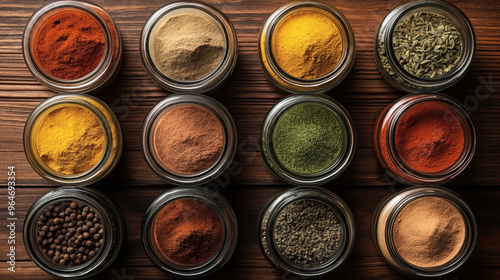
(248,96)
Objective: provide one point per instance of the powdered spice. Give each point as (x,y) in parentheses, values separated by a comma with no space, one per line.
(429,137)
(70,140)
(189,139)
(69,45)
(188,231)
(188,47)
(429,232)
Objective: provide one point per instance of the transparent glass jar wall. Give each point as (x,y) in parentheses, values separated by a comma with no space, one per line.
(387,153)
(230,228)
(111,220)
(112,134)
(285,82)
(385,218)
(318,178)
(208,84)
(102,75)
(175,101)
(394,72)
(275,206)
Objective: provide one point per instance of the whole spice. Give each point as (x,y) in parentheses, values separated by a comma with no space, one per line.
(70,140)
(429,232)
(429,137)
(189,139)
(308,138)
(307,44)
(70,233)
(188,231)
(427,44)
(188,47)
(307,232)
(69,45)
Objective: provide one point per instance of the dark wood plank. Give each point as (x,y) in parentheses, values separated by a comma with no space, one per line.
(248,96)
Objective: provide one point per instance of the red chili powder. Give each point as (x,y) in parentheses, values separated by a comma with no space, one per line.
(429,137)
(69,45)
(189,139)
(188,231)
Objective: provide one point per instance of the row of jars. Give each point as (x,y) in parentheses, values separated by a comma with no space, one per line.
(387,61)
(113,236)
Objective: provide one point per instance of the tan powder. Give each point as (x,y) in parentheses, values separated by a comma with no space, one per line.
(188,47)
(429,232)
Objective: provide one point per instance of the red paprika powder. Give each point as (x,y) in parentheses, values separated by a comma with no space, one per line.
(424,139)
(69,45)
(188,231)
(429,137)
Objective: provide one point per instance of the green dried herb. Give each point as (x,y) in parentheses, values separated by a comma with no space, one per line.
(308,138)
(307,232)
(427,44)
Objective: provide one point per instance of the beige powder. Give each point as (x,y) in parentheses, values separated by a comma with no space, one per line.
(188,47)
(429,232)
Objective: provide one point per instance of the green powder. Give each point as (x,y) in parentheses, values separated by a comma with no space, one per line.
(308,138)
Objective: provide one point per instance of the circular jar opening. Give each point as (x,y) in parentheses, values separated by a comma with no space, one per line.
(306,47)
(189,232)
(189,47)
(306,231)
(73,232)
(72,46)
(424,46)
(307,139)
(72,139)
(424,139)
(188,139)
(424,231)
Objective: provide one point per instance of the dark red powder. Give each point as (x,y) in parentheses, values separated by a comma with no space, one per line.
(188,231)
(70,45)
(429,137)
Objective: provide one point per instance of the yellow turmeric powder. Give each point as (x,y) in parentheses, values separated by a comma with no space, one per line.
(70,140)
(307,44)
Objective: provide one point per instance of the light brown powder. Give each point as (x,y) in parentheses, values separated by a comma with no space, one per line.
(188,47)
(189,139)
(429,232)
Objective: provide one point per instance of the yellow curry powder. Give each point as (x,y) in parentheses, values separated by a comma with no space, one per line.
(307,45)
(70,140)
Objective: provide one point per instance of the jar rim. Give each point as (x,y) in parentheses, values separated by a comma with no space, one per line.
(404,173)
(394,203)
(289,83)
(211,198)
(208,83)
(409,82)
(275,206)
(109,215)
(326,175)
(206,175)
(112,137)
(101,75)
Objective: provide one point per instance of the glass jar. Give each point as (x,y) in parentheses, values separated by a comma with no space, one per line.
(268,219)
(207,84)
(288,83)
(386,149)
(110,219)
(100,77)
(326,174)
(207,197)
(396,74)
(386,216)
(113,142)
(204,103)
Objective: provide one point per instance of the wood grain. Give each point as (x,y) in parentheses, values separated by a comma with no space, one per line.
(248,96)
